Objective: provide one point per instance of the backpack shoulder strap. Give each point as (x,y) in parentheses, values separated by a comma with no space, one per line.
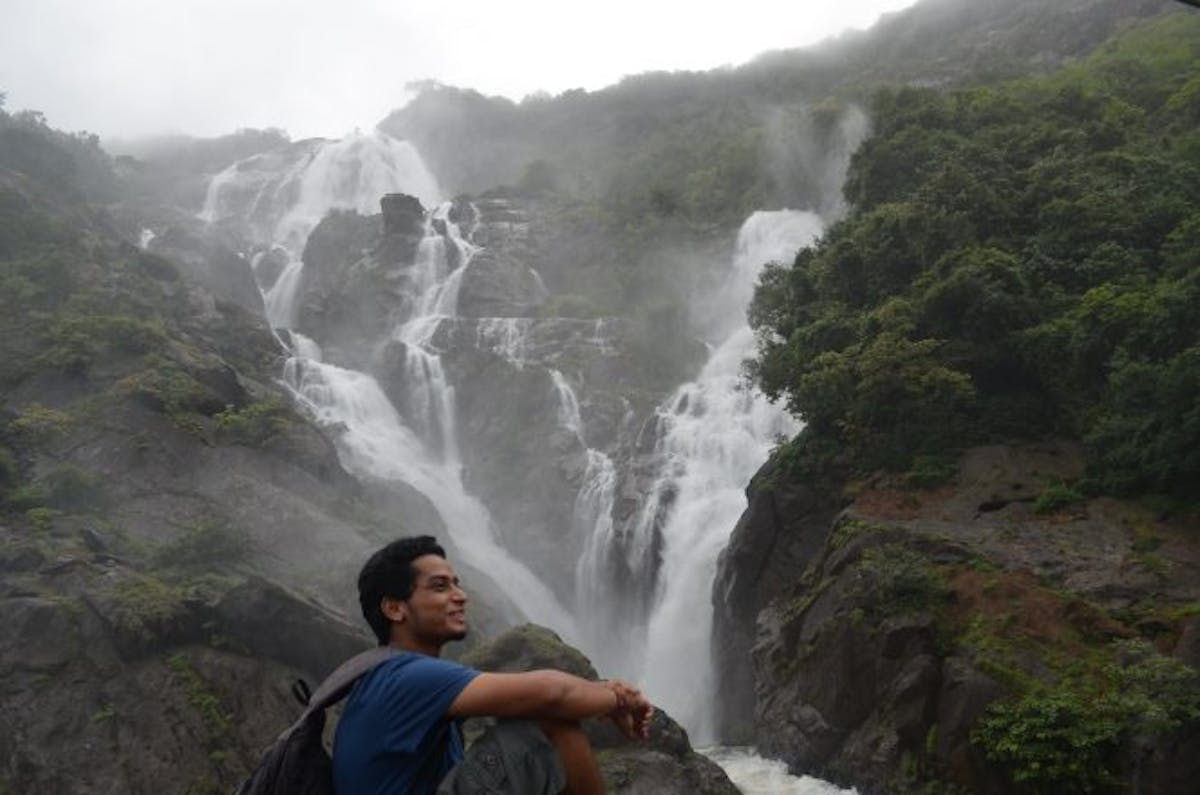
(338,684)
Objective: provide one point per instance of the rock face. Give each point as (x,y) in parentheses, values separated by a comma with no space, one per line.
(781,532)
(119,680)
(662,765)
(880,634)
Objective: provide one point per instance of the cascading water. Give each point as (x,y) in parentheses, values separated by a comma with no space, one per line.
(374,442)
(377,444)
(713,434)
(281,196)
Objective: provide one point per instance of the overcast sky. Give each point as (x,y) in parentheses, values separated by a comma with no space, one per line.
(206,67)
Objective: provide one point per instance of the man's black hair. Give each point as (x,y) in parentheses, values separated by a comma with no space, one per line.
(389,572)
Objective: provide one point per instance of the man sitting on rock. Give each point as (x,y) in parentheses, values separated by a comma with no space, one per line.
(400,730)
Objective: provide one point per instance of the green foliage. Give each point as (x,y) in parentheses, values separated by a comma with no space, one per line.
(165,385)
(216,720)
(894,579)
(145,607)
(10,470)
(78,342)
(40,424)
(1020,260)
(42,518)
(104,714)
(1067,736)
(1056,496)
(71,488)
(206,544)
(66,488)
(254,423)
(1058,741)
(931,471)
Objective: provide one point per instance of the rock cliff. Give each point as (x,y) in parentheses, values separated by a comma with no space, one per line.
(887,638)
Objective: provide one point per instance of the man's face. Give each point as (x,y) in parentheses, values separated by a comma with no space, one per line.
(437,607)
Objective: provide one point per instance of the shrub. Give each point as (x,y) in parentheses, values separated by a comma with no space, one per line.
(1056,496)
(39,423)
(145,607)
(930,471)
(207,543)
(71,488)
(894,579)
(1068,736)
(255,422)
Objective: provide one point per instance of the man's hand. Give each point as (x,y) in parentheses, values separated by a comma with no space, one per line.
(633,711)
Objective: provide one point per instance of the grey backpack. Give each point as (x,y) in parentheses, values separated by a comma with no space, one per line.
(298,764)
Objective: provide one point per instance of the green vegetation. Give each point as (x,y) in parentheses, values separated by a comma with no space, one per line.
(894,579)
(1056,496)
(216,720)
(1080,706)
(1021,260)
(1064,736)
(205,545)
(254,423)
(144,607)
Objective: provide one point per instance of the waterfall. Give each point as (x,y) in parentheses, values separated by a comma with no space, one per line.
(373,441)
(714,433)
(282,195)
(376,444)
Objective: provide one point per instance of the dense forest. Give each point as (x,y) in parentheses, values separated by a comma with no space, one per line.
(1021,261)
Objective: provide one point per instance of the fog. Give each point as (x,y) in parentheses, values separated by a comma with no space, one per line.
(124,68)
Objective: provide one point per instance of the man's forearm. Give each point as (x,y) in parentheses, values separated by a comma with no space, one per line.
(574,698)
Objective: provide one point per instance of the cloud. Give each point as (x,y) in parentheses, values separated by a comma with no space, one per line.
(131,67)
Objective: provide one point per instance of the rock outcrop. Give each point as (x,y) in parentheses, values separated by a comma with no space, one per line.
(882,636)
(125,676)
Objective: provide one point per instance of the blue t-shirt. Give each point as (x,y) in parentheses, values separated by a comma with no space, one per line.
(394,722)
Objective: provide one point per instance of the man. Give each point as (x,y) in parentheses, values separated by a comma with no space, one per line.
(400,732)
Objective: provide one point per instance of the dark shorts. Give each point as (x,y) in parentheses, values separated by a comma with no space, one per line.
(512,757)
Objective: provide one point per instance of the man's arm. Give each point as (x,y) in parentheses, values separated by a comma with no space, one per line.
(555,695)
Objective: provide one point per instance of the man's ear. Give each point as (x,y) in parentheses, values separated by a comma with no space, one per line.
(394,609)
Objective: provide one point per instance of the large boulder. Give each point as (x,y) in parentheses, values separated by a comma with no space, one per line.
(662,765)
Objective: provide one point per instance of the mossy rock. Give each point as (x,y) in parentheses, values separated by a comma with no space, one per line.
(529,647)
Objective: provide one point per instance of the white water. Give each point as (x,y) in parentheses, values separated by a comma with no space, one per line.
(376,444)
(754,775)
(715,432)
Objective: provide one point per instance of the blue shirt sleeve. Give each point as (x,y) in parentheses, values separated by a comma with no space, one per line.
(394,720)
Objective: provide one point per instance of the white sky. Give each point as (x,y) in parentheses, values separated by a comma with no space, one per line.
(206,67)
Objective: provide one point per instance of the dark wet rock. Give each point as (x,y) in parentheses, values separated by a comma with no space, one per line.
(497,286)
(777,537)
